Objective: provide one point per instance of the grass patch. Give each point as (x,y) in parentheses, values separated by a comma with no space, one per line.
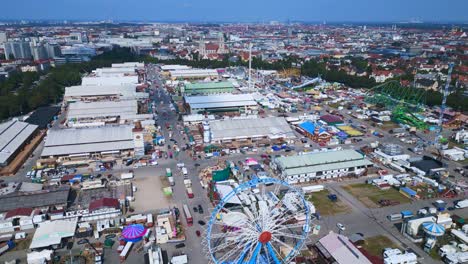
(434,254)
(326,207)
(370,195)
(376,244)
(22,244)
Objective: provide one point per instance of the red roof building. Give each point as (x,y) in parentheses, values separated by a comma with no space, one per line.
(331,119)
(104,203)
(18,212)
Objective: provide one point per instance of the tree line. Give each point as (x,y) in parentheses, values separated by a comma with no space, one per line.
(24,92)
(19,95)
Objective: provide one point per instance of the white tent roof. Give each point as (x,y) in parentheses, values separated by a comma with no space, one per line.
(51,233)
(224,190)
(12,136)
(84,140)
(271,127)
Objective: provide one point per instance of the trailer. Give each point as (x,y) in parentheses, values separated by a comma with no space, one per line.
(462,204)
(123,255)
(313,188)
(457,258)
(149,220)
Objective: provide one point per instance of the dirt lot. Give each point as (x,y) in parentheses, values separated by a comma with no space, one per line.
(326,207)
(370,195)
(149,195)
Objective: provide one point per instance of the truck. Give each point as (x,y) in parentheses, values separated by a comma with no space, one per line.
(461,204)
(126,175)
(189,192)
(406,214)
(440,205)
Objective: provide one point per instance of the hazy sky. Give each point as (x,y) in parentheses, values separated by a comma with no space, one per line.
(237,10)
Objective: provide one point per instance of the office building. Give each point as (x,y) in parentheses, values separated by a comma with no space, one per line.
(39,52)
(3,37)
(17,50)
(53,50)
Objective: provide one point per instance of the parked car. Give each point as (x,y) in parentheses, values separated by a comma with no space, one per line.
(341,226)
(82,241)
(180,245)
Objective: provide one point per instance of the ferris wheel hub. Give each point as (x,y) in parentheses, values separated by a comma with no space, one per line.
(264,237)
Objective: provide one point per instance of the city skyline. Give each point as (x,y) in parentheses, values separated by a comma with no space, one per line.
(242,11)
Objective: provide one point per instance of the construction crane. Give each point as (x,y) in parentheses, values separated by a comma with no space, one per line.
(443,105)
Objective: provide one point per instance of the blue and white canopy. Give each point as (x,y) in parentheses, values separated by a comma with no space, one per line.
(433,229)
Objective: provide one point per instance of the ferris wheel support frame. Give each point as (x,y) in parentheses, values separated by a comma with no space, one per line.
(248,185)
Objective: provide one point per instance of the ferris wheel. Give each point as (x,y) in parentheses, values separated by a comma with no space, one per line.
(264,220)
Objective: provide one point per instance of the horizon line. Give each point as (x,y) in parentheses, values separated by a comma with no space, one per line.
(196,21)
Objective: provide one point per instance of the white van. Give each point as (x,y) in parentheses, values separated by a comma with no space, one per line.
(184,171)
(394,217)
(125,176)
